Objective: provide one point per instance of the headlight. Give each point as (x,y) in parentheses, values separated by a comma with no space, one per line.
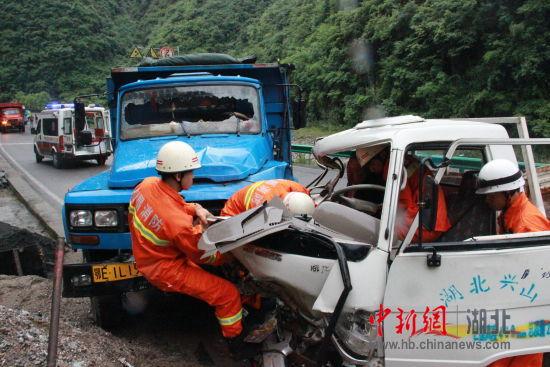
(356,332)
(106,218)
(81,218)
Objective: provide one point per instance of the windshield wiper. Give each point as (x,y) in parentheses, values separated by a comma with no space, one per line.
(238,124)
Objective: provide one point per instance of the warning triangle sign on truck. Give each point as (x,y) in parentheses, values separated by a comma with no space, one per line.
(153,53)
(136,53)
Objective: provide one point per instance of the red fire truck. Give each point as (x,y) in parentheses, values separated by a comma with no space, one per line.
(12,117)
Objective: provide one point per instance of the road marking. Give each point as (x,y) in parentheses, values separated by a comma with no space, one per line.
(29,177)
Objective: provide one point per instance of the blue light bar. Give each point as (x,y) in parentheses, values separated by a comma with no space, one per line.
(56,105)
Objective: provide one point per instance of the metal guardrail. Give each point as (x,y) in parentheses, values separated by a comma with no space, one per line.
(460,163)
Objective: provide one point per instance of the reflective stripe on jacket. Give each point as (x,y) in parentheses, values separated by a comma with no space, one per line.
(161,227)
(257,193)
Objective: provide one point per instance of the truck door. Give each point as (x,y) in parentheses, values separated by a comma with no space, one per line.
(39,137)
(68,138)
(467,299)
(488,299)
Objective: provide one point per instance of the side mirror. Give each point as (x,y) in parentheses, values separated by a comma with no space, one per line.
(33,130)
(79,115)
(327,162)
(299,113)
(430,196)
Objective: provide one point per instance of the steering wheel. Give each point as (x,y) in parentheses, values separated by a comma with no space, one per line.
(358,204)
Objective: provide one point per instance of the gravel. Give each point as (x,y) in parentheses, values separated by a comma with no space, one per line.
(165,336)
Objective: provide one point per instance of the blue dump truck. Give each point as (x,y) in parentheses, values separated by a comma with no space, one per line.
(236,114)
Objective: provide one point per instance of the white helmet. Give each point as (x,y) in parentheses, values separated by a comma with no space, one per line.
(299,203)
(499,175)
(177,156)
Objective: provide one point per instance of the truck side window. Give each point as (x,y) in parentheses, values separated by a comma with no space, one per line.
(67,128)
(39,127)
(467,212)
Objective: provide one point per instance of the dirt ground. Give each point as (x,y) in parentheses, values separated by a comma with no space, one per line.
(173,331)
(166,335)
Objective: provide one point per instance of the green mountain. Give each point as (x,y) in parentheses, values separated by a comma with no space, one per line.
(356,59)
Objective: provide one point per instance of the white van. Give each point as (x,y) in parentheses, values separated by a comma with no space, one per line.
(57,136)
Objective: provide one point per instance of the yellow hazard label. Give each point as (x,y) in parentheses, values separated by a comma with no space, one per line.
(136,53)
(153,53)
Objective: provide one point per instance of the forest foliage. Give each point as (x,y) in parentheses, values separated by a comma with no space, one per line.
(356,59)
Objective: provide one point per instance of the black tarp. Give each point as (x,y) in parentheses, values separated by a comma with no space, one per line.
(198,59)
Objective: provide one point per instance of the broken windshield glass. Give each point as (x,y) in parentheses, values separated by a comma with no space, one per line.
(190,110)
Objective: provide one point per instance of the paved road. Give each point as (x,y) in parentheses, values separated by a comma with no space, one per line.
(54,183)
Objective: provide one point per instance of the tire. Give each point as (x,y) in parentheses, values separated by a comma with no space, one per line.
(101,160)
(57,161)
(107,311)
(37,156)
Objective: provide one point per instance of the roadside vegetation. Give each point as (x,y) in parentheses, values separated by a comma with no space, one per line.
(356,59)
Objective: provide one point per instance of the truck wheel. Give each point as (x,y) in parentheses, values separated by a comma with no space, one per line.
(101,161)
(107,311)
(57,162)
(38,156)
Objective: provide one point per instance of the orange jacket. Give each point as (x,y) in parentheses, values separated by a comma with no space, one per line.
(257,193)
(408,208)
(522,216)
(164,242)
(162,230)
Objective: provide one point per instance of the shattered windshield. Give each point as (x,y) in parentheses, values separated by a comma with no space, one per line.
(190,110)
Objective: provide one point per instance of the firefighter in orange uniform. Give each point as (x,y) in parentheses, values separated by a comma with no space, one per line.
(408,205)
(165,231)
(502,182)
(295,197)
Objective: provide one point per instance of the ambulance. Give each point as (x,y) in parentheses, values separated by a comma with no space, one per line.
(58,135)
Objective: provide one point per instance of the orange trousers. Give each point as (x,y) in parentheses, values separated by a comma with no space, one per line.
(194,281)
(529,360)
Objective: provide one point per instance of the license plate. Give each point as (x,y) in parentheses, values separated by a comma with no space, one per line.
(114,272)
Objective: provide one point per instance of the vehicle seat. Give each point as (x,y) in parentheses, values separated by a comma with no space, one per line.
(350,222)
(467,212)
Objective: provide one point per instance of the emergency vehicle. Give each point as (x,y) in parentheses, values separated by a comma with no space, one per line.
(11,117)
(58,137)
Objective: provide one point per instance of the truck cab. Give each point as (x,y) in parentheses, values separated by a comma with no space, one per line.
(12,117)
(237,117)
(471,295)
(58,137)
(390,294)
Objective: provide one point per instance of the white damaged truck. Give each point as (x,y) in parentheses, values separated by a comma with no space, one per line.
(353,289)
